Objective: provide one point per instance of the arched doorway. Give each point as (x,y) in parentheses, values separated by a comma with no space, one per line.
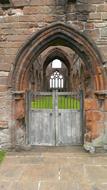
(57,35)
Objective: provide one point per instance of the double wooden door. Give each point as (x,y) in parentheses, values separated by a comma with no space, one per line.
(54,118)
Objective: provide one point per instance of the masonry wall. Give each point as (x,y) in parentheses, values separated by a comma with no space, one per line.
(23,18)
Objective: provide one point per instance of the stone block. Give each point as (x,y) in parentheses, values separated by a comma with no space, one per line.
(90,104)
(71,8)
(89,26)
(103,50)
(1,12)
(82,16)
(20,136)
(4,74)
(10,51)
(3,124)
(3,88)
(4,67)
(104,32)
(105,105)
(3,80)
(100,25)
(95,16)
(104,16)
(102,8)
(77,25)
(10,45)
(94,116)
(18,3)
(32,18)
(94,130)
(20,112)
(85,7)
(9,19)
(71,17)
(53,18)
(94,34)
(29,10)
(43,2)
(5,139)
(15,12)
(17,38)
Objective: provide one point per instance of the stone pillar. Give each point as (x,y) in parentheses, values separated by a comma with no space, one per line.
(19,118)
(5,119)
(96,121)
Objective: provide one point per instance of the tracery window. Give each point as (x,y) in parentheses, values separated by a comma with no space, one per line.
(56,80)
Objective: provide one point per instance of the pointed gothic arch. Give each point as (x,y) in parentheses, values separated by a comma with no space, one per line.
(53,35)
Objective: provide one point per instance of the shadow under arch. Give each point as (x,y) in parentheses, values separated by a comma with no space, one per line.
(55,35)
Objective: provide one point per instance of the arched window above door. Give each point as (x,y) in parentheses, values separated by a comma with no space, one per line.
(56,81)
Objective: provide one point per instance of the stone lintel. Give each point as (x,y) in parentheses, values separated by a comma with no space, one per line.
(102,94)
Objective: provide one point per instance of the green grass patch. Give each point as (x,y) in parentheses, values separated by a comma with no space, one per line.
(64,102)
(2,155)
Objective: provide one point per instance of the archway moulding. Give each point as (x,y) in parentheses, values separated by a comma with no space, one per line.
(56,35)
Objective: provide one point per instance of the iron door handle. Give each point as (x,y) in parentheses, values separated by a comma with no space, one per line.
(50,114)
(59,114)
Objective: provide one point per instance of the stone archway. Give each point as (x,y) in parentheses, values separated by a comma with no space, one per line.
(57,53)
(57,34)
(54,35)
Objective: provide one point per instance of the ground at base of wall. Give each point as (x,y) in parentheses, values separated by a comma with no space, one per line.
(73,169)
(31,149)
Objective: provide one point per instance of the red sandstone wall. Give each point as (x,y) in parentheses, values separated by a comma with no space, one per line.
(26,17)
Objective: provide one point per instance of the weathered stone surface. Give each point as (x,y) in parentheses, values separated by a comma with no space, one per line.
(20,112)
(95,16)
(20,3)
(94,115)
(1,12)
(20,136)
(102,8)
(39,10)
(3,88)
(4,74)
(104,32)
(3,124)
(3,80)
(5,138)
(105,105)
(71,17)
(4,67)
(104,16)
(89,26)
(44,2)
(85,7)
(91,104)
(94,34)
(15,12)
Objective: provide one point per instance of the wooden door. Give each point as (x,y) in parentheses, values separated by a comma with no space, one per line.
(54,118)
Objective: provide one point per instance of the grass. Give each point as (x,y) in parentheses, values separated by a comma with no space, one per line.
(2,155)
(64,102)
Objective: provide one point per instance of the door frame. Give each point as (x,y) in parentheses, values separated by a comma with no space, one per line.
(54,112)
